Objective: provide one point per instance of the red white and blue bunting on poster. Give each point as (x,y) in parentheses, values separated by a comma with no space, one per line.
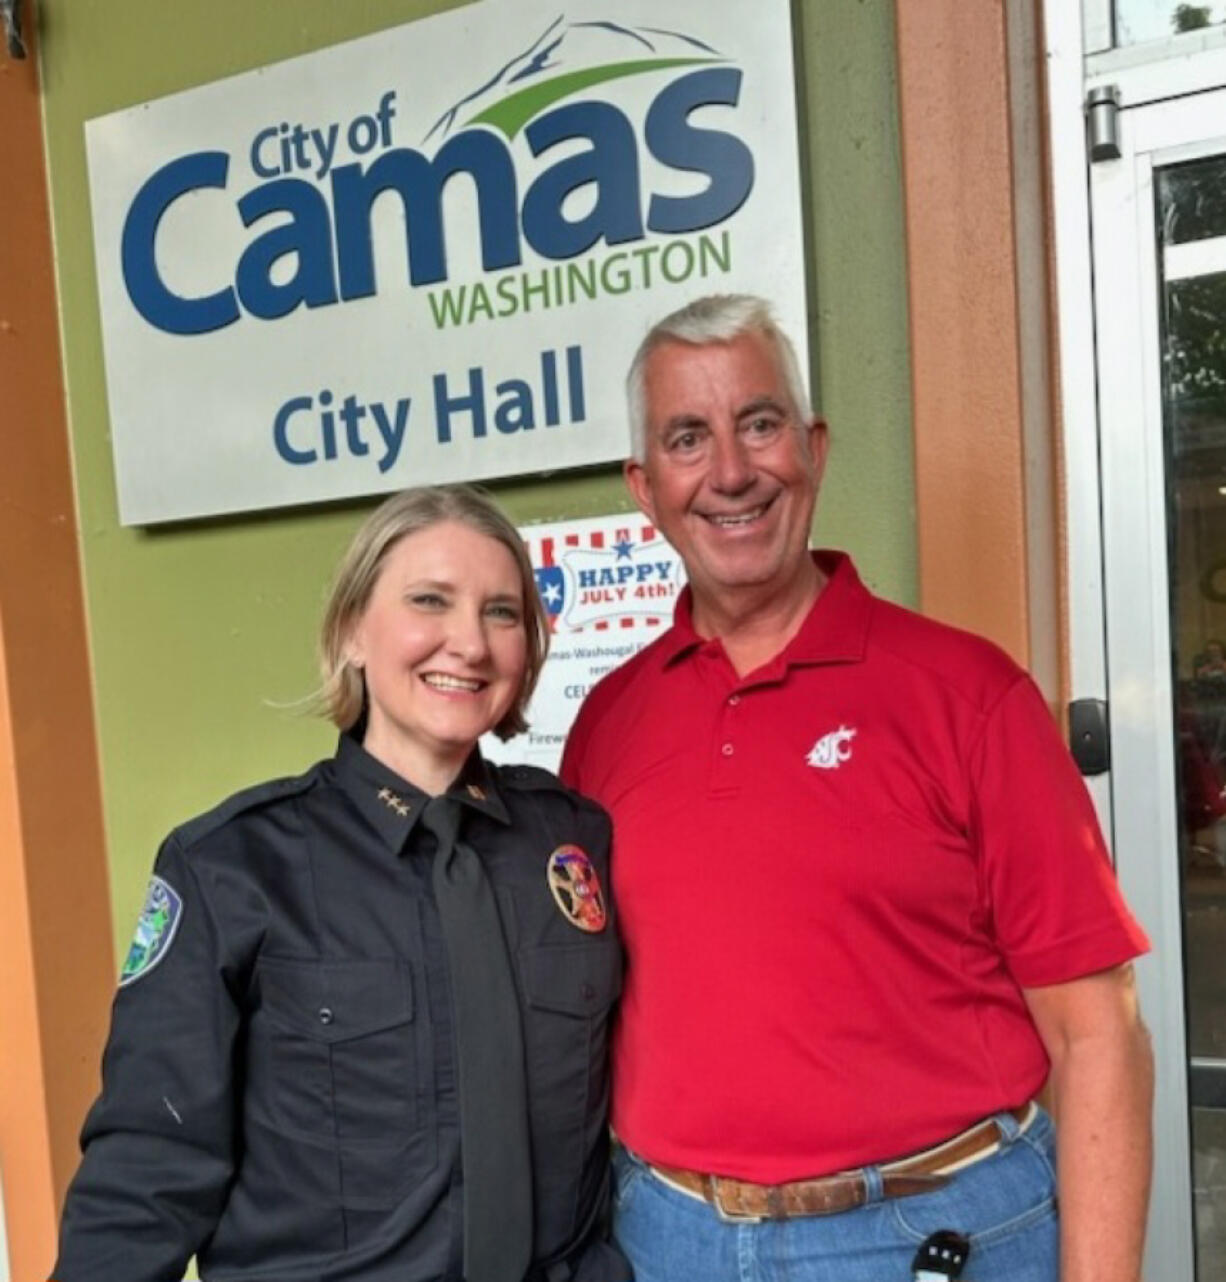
(609,585)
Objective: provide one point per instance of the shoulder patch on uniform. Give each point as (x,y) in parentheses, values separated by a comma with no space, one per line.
(262,794)
(155,930)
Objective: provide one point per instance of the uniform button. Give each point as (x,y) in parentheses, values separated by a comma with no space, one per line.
(325,1015)
(727,750)
(587,992)
(733,700)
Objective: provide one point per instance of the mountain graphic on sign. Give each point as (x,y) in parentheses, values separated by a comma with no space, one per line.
(566,58)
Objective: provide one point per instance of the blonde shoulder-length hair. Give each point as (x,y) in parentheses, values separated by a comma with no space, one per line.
(342,696)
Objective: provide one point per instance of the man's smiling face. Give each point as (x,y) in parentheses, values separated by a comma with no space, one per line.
(730,474)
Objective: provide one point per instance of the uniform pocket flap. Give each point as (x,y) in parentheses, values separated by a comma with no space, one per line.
(335,1001)
(575,979)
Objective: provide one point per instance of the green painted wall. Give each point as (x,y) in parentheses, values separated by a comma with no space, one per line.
(197,631)
(848,89)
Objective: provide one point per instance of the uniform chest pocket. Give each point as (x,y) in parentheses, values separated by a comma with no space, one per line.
(582,980)
(341,1046)
(569,991)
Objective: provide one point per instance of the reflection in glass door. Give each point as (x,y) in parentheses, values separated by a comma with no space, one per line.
(1190,220)
(1138,20)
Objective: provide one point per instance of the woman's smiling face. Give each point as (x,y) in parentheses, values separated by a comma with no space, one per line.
(443,645)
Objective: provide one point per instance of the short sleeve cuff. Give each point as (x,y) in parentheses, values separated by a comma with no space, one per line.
(1080,955)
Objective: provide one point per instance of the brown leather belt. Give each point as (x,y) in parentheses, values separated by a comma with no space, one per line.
(827,1195)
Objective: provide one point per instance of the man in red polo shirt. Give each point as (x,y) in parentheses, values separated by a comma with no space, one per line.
(867,908)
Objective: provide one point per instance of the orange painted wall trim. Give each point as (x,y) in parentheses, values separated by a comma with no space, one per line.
(25,1155)
(963,307)
(56,958)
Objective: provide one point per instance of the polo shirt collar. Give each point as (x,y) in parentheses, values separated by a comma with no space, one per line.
(392,805)
(834,631)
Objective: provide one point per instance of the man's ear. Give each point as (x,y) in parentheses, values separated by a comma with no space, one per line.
(639,485)
(817,438)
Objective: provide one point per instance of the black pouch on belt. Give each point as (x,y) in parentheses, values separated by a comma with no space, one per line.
(940,1256)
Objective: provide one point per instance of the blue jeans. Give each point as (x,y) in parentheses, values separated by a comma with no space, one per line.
(1005,1203)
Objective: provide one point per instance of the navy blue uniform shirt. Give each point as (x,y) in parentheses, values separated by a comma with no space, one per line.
(279,1087)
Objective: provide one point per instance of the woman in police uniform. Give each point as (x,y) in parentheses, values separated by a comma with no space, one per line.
(361,1031)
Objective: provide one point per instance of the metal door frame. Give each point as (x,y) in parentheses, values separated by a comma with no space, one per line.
(1137,611)
(1106,289)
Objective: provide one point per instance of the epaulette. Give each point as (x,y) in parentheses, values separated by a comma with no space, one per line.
(260,794)
(535,779)
(531,779)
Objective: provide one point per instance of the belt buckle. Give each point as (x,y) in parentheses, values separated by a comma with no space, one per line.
(729,1217)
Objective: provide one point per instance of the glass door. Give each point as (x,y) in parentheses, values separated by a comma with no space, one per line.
(1159,227)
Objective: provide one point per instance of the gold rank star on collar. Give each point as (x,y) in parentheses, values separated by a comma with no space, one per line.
(393,802)
(478,794)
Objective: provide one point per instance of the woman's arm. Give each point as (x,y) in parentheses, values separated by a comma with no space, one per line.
(158,1142)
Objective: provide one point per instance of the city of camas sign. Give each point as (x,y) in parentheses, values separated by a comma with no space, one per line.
(328,234)
(409,295)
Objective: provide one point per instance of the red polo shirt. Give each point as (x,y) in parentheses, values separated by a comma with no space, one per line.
(835,875)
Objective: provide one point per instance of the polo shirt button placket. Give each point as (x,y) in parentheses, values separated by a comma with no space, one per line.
(722,776)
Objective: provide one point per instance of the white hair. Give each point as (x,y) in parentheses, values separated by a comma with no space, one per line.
(716,318)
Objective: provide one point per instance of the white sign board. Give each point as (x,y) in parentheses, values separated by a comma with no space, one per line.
(609,584)
(428,255)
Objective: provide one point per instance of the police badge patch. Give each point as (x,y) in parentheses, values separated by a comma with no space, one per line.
(576,889)
(155,931)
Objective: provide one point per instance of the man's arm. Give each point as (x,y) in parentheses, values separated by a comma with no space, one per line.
(1103,1080)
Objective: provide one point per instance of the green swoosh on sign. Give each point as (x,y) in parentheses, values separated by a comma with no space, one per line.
(513,113)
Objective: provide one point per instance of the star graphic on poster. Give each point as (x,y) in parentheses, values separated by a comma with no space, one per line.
(552,594)
(623,549)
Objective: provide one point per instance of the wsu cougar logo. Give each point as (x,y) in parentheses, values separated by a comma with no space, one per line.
(832,749)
